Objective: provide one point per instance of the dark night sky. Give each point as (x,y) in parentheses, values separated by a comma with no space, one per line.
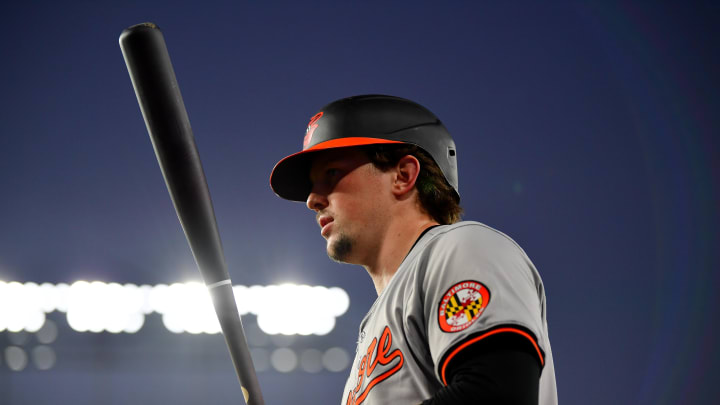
(587,131)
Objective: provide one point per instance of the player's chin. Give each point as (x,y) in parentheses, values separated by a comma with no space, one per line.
(333,254)
(339,248)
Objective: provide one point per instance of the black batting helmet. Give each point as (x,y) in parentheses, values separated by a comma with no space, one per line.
(365,120)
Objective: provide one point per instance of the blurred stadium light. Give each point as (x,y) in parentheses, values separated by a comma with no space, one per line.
(95,306)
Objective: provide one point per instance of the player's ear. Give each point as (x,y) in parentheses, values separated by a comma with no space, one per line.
(405,175)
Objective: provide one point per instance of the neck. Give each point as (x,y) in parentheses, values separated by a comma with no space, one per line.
(399,238)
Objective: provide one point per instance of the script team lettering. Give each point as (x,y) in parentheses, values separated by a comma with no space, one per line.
(378,352)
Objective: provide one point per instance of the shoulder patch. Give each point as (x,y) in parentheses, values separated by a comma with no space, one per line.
(462,305)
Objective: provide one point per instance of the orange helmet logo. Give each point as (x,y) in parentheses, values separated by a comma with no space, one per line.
(311,128)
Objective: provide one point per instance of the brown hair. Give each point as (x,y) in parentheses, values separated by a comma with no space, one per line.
(437,198)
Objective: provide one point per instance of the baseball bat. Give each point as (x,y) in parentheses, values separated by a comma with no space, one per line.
(158,94)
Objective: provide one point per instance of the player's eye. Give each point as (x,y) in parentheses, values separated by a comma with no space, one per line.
(331,173)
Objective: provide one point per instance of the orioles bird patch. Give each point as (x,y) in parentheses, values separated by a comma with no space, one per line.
(462,305)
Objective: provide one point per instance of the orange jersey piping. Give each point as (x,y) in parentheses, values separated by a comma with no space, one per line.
(483,336)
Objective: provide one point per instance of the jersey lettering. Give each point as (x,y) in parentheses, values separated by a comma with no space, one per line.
(378,352)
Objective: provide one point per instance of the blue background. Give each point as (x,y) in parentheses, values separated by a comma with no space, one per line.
(587,131)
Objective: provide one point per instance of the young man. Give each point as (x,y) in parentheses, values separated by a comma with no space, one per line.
(460,313)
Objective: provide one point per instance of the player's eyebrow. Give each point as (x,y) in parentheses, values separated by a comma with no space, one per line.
(323,162)
(344,160)
(317,167)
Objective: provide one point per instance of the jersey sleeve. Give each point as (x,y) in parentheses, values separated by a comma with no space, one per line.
(478,283)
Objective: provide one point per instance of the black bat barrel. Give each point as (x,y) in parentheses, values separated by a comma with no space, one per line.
(158,94)
(167,122)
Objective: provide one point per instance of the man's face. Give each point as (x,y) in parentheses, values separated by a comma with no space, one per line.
(349,196)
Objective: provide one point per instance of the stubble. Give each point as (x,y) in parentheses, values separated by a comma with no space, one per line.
(340,250)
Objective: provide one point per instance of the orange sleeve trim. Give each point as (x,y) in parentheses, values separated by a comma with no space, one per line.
(483,336)
(352,141)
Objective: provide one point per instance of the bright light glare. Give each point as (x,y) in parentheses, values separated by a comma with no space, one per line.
(95,306)
(299,309)
(157,299)
(98,307)
(188,308)
(21,307)
(62,292)
(340,300)
(48,296)
(145,291)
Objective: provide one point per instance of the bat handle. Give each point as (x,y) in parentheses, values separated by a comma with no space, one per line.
(227,313)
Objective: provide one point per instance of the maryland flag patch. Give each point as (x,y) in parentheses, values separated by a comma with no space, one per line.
(462,305)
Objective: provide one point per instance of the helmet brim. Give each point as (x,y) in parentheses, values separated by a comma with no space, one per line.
(290,178)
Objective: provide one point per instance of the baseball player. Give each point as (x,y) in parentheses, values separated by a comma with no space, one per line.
(460,314)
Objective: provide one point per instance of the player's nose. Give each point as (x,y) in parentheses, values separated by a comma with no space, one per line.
(316,201)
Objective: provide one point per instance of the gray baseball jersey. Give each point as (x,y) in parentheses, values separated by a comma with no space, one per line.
(459,284)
